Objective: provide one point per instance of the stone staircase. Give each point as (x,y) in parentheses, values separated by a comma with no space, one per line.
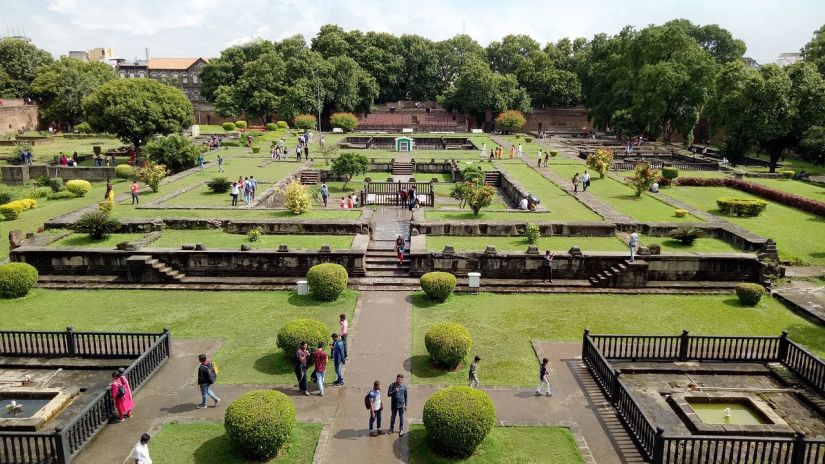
(145,268)
(311,177)
(402,168)
(626,274)
(492,178)
(381,260)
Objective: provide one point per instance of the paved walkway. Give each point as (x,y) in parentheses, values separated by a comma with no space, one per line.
(807,298)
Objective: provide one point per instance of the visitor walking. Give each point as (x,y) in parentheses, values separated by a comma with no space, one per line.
(520,152)
(253,187)
(633,244)
(338,359)
(343,332)
(538,159)
(544,378)
(247,189)
(141,454)
(483,149)
(234,193)
(324,194)
(220,163)
(207,376)
(306,151)
(474,372)
(585,181)
(374,403)
(320,357)
(122,395)
(547,265)
(400,245)
(404,196)
(546,158)
(301,358)
(512,151)
(398,402)
(108,189)
(200,161)
(134,189)
(576,179)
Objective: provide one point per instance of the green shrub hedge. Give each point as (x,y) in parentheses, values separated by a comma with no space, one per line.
(219,185)
(749,293)
(16,279)
(670,173)
(124,171)
(271,126)
(282,125)
(228,126)
(741,206)
(301,330)
(458,419)
(56,184)
(327,281)
(259,423)
(448,343)
(438,285)
(97,224)
(788,174)
(78,187)
(256,149)
(680,213)
(240,124)
(13,209)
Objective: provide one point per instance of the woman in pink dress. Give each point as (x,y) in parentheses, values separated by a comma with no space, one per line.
(122,395)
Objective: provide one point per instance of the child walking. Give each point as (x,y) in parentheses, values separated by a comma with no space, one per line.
(474,372)
(544,378)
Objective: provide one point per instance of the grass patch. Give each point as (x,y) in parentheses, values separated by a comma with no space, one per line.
(83,241)
(562,206)
(206,442)
(44,152)
(556,243)
(216,238)
(506,445)
(246,321)
(515,216)
(795,231)
(812,191)
(623,199)
(201,196)
(237,213)
(502,338)
(212,129)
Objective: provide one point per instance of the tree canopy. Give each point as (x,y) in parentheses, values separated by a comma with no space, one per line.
(136,109)
(19,61)
(62,84)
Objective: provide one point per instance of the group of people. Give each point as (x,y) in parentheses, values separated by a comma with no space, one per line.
(64,160)
(27,157)
(213,143)
(349,202)
(407,198)
(246,185)
(583,180)
(319,359)
(498,152)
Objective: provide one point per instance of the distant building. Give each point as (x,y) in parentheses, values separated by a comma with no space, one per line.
(80,55)
(100,54)
(183,73)
(750,62)
(786,59)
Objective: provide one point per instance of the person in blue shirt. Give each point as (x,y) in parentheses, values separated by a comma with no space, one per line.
(324,194)
(398,396)
(338,359)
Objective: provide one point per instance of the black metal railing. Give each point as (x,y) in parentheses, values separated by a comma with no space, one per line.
(150,351)
(389,193)
(660,448)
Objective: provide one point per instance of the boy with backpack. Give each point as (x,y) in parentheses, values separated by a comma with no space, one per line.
(373,402)
(474,372)
(544,377)
(207,376)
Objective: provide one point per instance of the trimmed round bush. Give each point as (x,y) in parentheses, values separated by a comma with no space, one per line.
(528,139)
(458,419)
(78,187)
(282,125)
(256,149)
(259,423)
(788,174)
(228,126)
(327,281)
(56,184)
(301,330)
(680,213)
(16,279)
(748,207)
(124,171)
(448,343)
(240,124)
(749,293)
(438,285)
(670,173)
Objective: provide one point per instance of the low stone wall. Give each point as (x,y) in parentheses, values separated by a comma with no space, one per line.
(739,239)
(430,167)
(515,228)
(208,263)
(15,118)
(16,175)
(521,265)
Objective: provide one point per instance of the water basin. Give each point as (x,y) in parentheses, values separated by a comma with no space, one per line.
(741,413)
(28,407)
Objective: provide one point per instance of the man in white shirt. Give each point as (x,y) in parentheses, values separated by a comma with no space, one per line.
(142,450)
(523,204)
(586,180)
(633,244)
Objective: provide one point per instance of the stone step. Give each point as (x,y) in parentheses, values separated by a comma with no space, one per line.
(388,273)
(388,267)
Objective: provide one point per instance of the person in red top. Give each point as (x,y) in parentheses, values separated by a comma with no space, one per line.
(320,357)
(122,395)
(134,189)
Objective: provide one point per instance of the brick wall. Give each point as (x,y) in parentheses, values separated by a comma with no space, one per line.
(16,118)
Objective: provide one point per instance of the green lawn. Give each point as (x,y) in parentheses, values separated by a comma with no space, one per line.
(562,244)
(506,445)
(212,129)
(45,152)
(562,206)
(623,198)
(502,338)
(238,213)
(443,199)
(812,191)
(796,232)
(206,442)
(83,241)
(515,216)
(201,196)
(216,238)
(246,321)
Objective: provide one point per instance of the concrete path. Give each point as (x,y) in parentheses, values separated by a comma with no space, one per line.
(807,298)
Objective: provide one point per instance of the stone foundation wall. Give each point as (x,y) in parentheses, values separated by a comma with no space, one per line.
(520,265)
(557,119)
(19,118)
(16,175)
(508,229)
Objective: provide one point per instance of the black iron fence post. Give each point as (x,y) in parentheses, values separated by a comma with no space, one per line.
(71,344)
(168,342)
(614,387)
(799,445)
(584,344)
(658,452)
(684,342)
(61,445)
(783,347)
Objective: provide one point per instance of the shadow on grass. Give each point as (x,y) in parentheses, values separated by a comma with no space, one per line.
(274,364)
(216,451)
(80,241)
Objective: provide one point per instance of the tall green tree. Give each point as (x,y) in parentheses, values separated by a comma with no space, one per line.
(814,51)
(19,61)
(62,84)
(136,109)
(506,56)
(451,56)
(478,89)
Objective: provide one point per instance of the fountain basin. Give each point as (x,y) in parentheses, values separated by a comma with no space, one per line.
(36,406)
(704,413)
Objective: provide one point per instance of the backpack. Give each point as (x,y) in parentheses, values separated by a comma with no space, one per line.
(213,372)
(367,401)
(121,391)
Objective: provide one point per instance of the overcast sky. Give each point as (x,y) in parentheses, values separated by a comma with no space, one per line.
(188,28)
